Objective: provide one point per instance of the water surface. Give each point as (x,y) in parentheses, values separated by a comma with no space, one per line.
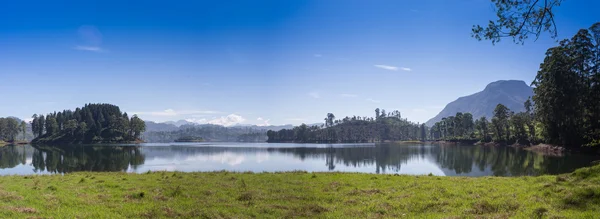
(259,157)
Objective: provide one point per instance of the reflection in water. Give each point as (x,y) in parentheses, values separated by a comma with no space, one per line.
(85,158)
(381,158)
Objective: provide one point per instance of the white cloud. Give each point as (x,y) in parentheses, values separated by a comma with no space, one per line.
(171,112)
(373,101)
(405,69)
(89,48)
(199,121)
(318,55)
(314,95)
(349,95)
(264,122)
(229,120)
(259,119)
(387,67)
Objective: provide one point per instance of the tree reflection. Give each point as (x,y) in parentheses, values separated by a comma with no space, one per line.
(11,156)
(86,158)
(380,158)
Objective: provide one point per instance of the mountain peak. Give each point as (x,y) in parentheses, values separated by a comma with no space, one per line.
(506,84)
(511,93)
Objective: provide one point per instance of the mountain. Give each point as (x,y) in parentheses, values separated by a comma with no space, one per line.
(511,93)
(268,127)
(179,123)
(159,127)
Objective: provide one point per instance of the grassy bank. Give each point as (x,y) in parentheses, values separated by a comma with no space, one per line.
(298,194)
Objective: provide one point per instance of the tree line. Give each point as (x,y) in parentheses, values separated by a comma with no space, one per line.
(505,126)
(383,127)
(10,128)
(93,123)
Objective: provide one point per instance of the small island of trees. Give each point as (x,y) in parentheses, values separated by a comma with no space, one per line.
(190,139)
(93,123)
(383,127)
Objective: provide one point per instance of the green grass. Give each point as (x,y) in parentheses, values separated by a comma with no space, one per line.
(298,194)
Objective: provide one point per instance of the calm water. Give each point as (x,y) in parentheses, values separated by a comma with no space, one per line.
(258,157)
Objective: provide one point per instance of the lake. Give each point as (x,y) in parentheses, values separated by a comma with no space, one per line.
(271,157)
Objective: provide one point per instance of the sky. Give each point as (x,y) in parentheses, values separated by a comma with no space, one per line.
(258,62)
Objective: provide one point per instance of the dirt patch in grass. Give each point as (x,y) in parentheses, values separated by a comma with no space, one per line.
(310,210)
(486,207)
(26,210)
(9,196)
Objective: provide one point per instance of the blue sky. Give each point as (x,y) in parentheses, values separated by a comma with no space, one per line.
(258,62)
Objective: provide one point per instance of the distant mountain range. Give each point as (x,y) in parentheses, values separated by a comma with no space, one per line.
(511,93)
(176,125)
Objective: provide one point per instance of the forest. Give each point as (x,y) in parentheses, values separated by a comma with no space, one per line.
(505,126)
(208,133)
(383,127)
(565,109)
(93,123)
(12,129)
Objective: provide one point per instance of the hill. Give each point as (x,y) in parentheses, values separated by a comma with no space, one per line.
(511,93)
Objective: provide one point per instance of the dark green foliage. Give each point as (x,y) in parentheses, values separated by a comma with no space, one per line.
(94,123)
(384,127)
(567,91)
(518,19)
(506,126)
(454,127)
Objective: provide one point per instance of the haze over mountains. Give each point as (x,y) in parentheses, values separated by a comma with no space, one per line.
(182,124)
(511,93)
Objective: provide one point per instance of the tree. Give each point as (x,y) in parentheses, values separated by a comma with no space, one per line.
(500,122)
(518,122)
(458,124)
(71,127)
(518,19)
(562,87)
(482,126)
(34,125)
(530,119)
(51,125)
(423,132)
(23,128)
(329,119)
(40,125)
(467,123)
(137,126)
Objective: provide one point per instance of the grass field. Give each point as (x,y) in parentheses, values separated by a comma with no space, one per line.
(298,194)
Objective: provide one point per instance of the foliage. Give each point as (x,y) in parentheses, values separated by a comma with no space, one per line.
(567,90)
(384,127)
(298,194)
(10,128)
(518,19)
(456,127)
(93,123)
